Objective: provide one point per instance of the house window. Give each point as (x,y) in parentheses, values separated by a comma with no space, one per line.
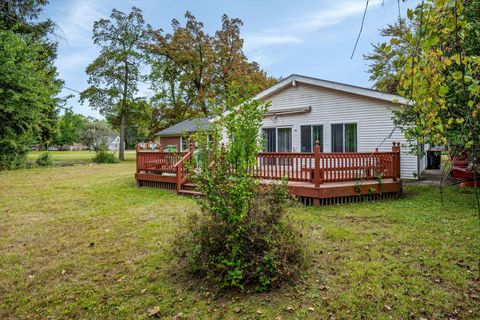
(184,144)
(270,138)
(284,139)
(308,136)
(344,137)
(277,139)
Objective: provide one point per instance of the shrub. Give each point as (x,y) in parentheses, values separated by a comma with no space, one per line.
(44,160)
(12,161)
(103,156)
(266,249)
(242,235)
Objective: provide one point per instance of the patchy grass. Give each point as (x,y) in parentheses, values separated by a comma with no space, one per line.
(83,242)
(74,157)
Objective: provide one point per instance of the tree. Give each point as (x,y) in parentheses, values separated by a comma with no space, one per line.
(438,70)
(70,129)
(97,133)
(115,73)
(29,86)
(242,235)
(26,96)
(385,60)
(191,69)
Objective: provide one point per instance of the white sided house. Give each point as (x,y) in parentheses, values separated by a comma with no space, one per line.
(344,118)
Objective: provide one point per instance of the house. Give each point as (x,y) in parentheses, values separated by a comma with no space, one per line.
(177,135)
(113,143)
(344,118)
(360,152)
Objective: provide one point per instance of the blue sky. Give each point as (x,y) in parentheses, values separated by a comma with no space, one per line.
(313,38)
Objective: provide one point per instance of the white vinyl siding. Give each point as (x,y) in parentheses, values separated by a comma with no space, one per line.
(372,116)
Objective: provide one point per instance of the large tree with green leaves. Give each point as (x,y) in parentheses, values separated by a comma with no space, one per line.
(70,129)
(192,69)
(97,133)
(438,69)
(29,86)
(115,73)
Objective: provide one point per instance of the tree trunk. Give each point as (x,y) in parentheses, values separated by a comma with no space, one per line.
(121,147)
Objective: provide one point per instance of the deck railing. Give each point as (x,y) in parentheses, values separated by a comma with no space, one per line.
(314,167)
(157,161)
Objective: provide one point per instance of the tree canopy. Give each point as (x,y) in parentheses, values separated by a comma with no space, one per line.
(29,87)
(192,69)
(115,73)
(436,61)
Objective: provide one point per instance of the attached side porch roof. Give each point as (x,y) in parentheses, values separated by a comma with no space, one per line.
(186,127)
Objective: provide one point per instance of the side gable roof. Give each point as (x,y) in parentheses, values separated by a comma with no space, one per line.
(294,78)
(185,127)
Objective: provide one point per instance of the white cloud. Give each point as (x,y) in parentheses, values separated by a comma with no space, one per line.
(266,40)
(294,31)
(76,21)
(333,15)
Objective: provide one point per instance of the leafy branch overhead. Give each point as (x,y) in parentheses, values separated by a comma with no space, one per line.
(434,60)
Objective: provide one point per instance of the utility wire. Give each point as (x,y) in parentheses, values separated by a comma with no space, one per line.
(361,29)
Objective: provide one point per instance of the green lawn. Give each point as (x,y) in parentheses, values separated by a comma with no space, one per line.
(74,157)
(83,242)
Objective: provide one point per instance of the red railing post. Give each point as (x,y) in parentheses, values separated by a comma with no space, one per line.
(137,149)
(316,172)
(179,176)
(396,160)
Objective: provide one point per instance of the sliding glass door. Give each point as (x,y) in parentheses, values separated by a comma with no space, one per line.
(284,139)
(277,139)
(270,138)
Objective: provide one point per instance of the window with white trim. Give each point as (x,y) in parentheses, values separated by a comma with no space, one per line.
(344,137)
(309,135)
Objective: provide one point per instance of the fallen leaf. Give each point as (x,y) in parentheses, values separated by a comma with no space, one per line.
(179,316)
(153,312)
(311,309)
(143,290)
(259,311)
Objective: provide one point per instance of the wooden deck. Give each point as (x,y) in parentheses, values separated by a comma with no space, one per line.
(316,178)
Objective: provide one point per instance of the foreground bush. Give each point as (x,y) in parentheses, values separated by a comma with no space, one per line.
(104,156)
(243,235)
(267,247)
(44,160)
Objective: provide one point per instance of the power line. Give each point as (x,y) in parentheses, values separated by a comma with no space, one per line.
(361,29)
(68,88)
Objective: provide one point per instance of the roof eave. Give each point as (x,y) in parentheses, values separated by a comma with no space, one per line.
(294,78)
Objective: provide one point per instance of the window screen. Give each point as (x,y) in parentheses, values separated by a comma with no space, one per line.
(284,139)
(269,136)
(317,134)
(350,137)
(306,138)
(337,137)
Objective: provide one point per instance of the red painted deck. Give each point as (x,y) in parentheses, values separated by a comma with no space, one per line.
(316,178)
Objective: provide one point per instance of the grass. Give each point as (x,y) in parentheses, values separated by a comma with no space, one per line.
(74,157)
(83,242)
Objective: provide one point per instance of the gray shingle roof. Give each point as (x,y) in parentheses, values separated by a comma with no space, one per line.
(185,127)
